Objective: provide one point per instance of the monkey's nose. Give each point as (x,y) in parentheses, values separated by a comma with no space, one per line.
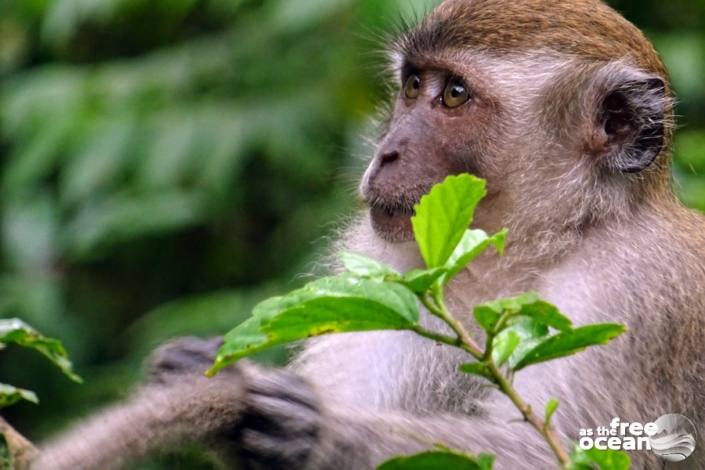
(388,157)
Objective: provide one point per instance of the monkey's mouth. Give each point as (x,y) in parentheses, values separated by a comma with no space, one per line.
(392,222)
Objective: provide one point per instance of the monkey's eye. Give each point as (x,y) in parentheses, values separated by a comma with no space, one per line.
(412,87)
(455,93)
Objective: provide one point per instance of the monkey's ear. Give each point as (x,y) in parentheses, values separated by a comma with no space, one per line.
(631,121)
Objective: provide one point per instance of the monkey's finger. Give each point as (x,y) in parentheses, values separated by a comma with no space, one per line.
(282,384)
(279,416)
(181,356)
(267,451)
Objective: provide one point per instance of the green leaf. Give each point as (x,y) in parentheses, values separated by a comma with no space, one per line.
(327,305)
(18,332)
(6,460)
(363,266)
(486,317)
(442,216)
(530,333)
(551,407)
(477,368)
(29,232)
(38,157)
(439,459)
(473,243)
(503,346)
(528,304)
(117,218)
(599,459)
(546,314)
(570,342)
(104,155)
(10,395)
(420,280)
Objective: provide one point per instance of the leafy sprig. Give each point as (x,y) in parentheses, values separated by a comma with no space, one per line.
(520,331)
(15,331)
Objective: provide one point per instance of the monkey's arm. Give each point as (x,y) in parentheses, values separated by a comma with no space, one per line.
(178,405)
(275,431)
(259,418)
(156,417)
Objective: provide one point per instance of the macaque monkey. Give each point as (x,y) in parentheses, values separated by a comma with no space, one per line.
(565,108)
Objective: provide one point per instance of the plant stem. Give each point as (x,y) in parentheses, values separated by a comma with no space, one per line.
(491,335)
(438,337)
(22,450)
(437,307)
(545,429)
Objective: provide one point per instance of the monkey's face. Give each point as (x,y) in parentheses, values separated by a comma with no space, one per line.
(548,119)
(582,132)
(438,127)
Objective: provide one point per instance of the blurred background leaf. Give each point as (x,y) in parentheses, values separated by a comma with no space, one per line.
(165,164)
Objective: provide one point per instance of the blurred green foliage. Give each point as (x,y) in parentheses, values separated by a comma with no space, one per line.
(165,164)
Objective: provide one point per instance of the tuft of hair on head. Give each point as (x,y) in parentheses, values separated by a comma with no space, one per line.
(579,28)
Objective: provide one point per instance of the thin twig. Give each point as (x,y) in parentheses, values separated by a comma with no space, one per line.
(436,306)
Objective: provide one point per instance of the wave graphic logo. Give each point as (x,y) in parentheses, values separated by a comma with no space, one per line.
(674,439)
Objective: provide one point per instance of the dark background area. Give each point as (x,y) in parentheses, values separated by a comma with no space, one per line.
(164,164)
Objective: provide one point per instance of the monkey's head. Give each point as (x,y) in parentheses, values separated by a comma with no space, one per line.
(562,106)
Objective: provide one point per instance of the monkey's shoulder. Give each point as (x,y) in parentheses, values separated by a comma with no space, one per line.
(655,262)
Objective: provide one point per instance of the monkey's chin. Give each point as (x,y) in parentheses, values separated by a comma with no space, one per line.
(393,226)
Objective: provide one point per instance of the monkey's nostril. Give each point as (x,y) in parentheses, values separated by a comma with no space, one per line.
(389,157)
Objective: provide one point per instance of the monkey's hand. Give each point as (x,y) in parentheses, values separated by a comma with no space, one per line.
(174,361)
(279,421)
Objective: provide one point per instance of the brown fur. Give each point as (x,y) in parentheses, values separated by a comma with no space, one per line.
(582,28)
